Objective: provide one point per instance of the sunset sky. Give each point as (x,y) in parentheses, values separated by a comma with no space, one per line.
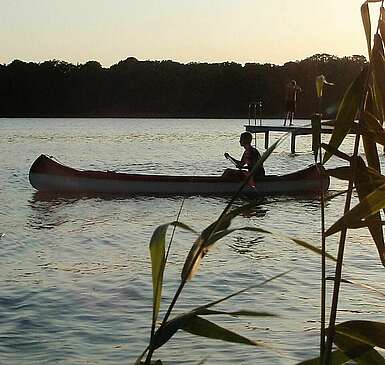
(181,30)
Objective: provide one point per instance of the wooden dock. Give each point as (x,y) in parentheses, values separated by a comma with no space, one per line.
(293,130)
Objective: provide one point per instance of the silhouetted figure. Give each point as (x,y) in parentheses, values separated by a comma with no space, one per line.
(291,100)
(249,158)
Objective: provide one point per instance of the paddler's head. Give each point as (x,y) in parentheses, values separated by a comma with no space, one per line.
(245,139)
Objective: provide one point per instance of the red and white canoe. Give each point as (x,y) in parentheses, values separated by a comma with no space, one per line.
(50,176)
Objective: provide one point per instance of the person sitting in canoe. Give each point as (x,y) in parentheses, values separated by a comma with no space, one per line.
(249,158)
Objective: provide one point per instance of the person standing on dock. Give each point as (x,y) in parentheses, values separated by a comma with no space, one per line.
(249,158)
(291,100)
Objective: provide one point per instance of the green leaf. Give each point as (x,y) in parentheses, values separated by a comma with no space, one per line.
(364,187)
(335,151)
(361,353)
(342,173)
(368,332)
(362,224)
(371,202)
(367,26)
(381,23)
(166,331)
(371,152)
(246,313)
(345,173)
(202,327)
(197,310)
(378,66)
(337,358)
(372,128)
(347,111)
(360,285)
(157,252)
(207,238)
(299,242)
(372,106)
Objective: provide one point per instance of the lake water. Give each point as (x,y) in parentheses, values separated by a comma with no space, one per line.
(75,271)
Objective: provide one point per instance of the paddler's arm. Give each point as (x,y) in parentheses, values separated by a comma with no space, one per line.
(236,162)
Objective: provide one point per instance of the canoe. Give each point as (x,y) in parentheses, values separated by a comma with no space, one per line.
(48,175)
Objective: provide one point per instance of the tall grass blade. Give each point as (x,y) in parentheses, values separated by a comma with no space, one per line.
(335,151)
(241,291)
(168,329)
(345,173)
(361,179)
(361,353)
(347,111)
(354,344)
(365,15)
(326,355)
(341,173)
(157,252)
(378,66)
(240,313)
(371,202)
(140,357)
(372,106)
(202,327)
(297,241)
(360,285)
(371,152)
(337,358)
(205,240)
(372,128)
(381,22)
(368,332)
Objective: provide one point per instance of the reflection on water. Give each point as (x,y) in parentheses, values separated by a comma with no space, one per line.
(47,212)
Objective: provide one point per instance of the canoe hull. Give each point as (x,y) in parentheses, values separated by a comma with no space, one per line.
(49,176)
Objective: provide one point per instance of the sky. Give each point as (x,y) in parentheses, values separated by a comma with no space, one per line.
(107,31)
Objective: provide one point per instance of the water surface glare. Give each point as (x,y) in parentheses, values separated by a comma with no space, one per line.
(76,281)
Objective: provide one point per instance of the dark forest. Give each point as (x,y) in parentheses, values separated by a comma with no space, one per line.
(133,88)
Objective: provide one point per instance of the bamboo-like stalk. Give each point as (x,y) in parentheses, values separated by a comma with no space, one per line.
(323,274)
(318,153)
(323,248)
(184,280)
(338,271)
(341,246)
(199,251)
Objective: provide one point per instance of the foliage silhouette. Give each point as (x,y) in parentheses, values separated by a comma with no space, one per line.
(133,88)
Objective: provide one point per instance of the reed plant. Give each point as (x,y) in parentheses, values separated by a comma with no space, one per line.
(194,321)
(362,112)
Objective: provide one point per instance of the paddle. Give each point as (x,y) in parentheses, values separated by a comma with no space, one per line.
(232,160)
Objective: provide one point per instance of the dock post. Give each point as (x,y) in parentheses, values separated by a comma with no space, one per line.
(293,135)
(266,140)
(316,133)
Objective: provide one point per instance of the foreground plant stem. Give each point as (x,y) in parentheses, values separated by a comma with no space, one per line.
(338,272)
(151,347)
(323,267)
(199,252)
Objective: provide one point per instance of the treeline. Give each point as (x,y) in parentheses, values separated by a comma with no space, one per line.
(133,88)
